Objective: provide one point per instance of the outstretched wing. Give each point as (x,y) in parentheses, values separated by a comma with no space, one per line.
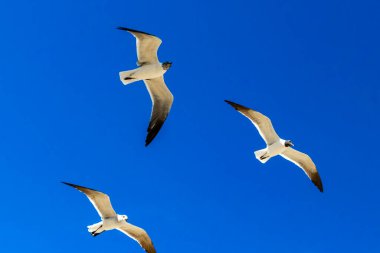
(147,46)
(162,100)
(261,122)
(305,163)
(139,235)
(99,200)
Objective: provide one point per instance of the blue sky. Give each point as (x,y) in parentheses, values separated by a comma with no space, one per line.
(313,67)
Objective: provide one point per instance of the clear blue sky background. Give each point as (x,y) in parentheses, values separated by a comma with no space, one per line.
(313,67)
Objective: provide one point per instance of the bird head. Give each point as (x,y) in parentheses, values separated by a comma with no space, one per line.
(166,65)
(122,217)
(289,143)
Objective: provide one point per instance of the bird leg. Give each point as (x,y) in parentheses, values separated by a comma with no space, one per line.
(130,76)
(94,233)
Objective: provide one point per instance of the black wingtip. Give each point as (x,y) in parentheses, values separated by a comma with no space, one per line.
(230,103)
(148,140)
(124,28)
(320,186)
(69,184)
(318,182)
(77,186)
(132,30)
(235,105)
(72,185)
(153,130)
(151,135)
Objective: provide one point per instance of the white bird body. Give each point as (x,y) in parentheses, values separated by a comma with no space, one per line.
(111,223)
(151,71)
(277,146)
(147,71)
(271,150)
(111,220)
(108,224)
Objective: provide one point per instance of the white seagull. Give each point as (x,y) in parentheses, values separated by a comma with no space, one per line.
(151,71)
(277,146)
(111,220)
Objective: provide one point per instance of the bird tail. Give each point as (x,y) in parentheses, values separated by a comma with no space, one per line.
(96,228)
(126,78)
(262,155)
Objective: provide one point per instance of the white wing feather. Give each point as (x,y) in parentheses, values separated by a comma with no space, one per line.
(305,163)
(147,46)
(99,200)
(262,123)
(139,235)
(162,100)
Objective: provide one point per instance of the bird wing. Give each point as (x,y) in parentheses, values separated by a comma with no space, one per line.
(99,200)
(305,163)
(261,122)
(147,46)
(139,235)
(162,100)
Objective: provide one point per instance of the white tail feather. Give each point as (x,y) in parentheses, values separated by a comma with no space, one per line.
(94,227)
(261,153)
(126,74)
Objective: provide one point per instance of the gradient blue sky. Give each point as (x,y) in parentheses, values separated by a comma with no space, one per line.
(312,66)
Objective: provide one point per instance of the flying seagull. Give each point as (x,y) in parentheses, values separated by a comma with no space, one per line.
(111,220)
(277,146)
(151,71)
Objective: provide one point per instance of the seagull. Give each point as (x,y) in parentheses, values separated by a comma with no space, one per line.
(111,220)
(277,146)
(151,71)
